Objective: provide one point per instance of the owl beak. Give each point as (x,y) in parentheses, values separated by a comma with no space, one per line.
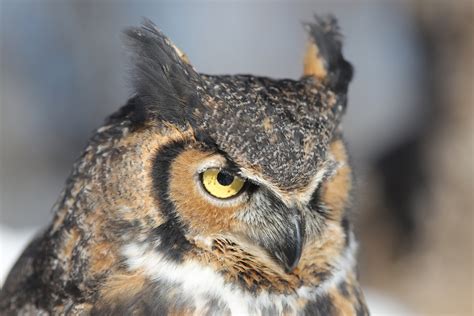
(281,236)
(290,253)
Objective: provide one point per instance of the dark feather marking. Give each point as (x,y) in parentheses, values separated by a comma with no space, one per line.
(171,233)
(325,33)
(315,203)
(172,242)
(321,306)
(134,111)
(361,306)
(346,226)
(343,289)
(165,84)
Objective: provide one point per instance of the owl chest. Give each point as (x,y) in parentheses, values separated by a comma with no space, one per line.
(191,288)
(186,296)
(201,294)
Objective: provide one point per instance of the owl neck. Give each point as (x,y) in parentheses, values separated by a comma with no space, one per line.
(245,287)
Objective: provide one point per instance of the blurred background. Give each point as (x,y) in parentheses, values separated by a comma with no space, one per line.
(410,120)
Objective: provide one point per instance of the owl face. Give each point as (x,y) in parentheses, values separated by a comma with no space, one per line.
(251,163)
(206,196)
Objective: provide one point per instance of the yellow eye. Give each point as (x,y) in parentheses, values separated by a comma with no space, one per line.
(221,184)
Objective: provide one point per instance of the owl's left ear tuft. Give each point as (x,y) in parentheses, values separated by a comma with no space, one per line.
(163,79)
(323,58)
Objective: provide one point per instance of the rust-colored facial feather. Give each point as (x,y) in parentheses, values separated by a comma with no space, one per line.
(201,215)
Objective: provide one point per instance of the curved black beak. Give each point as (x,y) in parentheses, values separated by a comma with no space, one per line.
(280,231)
(288,252)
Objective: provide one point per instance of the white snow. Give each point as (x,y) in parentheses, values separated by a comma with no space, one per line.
(12,243)
(381,304)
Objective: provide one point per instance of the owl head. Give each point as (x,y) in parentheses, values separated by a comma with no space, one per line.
(246,175)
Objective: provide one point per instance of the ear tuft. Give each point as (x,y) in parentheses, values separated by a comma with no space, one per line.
(164,81)
(323,58)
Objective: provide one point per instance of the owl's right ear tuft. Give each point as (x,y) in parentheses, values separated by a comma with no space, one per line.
(323,58)
(163,79)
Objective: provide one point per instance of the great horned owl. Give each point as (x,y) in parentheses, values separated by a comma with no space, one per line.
(205,195)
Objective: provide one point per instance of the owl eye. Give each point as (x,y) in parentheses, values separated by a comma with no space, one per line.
(221,184)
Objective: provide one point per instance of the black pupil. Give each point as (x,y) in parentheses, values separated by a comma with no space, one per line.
(224,178)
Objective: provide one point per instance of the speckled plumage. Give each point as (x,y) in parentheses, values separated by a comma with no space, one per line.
(135,233)
(291,122)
